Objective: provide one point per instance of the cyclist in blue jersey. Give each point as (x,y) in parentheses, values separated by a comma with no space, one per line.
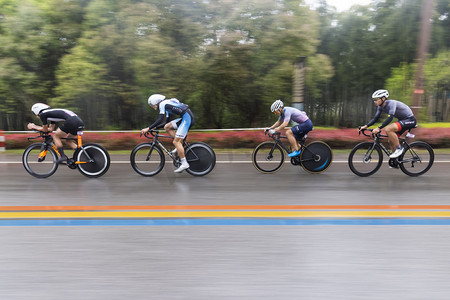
(296,133)
(177,128)
(393,108)
(50,116)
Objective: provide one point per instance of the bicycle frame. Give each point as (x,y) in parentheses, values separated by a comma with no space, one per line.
(155,137)
(376,141)
(48,141)
(277,138)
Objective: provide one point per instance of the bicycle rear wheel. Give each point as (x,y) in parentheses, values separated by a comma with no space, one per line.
(201,159)
(417,159)
(316,157)
(147,159)
(39,167)
(365,159)
(99,163)
(268,157)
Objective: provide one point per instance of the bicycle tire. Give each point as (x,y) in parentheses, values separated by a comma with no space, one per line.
(43,169)
(365,159)
(201,158)
(417,159)
(145,162)
(268,157)
(100,164)
(316,157)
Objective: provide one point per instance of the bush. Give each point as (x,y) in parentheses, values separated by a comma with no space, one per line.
(336,138)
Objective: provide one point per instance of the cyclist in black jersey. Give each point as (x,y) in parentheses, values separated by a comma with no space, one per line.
(393,108)
(72,125)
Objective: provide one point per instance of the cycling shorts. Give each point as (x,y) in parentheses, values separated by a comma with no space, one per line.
(300,130)
(183,124)
(405,124)
(72,125)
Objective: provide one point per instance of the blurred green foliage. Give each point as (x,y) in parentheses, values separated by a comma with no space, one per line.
(227,59)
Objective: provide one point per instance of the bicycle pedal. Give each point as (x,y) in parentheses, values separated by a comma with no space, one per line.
(71,163)
(295,160)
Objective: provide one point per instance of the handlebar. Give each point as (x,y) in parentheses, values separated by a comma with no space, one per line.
(274,135)
(153,133)
(363,131)
(42,134)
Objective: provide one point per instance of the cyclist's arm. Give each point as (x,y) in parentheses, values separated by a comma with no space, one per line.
(44,128)
(281,126)
(387,121)
(375,118)
(158,121)
(275,125)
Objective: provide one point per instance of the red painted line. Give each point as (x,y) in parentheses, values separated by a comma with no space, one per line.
(224,207)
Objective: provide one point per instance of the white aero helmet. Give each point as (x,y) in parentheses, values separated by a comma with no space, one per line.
(380,94)
(38,107)
(155,99)
(276,105)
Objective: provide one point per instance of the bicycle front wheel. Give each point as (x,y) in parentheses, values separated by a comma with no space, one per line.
(316,157)
(201,159)
(365,159)
(147,159)
(40,163)
(268,157)
(92,160)
(417,159)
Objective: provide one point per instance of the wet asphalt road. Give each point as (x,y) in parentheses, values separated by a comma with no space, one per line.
(225,262)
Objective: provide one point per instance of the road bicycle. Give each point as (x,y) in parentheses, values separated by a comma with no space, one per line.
(148,158)
(366,158)
(268,157)
(41,159)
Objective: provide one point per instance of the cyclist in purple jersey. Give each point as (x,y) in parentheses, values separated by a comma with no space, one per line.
(393,108)
(177,128)
(296,133)
(50,116)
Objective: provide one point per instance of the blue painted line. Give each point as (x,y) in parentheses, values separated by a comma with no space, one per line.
(222,222)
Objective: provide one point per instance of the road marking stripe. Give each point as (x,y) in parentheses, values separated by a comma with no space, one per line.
(226,222)
(224,214)
(222,207)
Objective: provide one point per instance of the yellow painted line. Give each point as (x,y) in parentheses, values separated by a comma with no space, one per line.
(224,214)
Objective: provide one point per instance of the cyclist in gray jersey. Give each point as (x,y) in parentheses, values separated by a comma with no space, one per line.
(296,133)
(392,108)
(72,125)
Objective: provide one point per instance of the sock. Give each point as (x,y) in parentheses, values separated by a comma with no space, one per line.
(184,161)
(61,152)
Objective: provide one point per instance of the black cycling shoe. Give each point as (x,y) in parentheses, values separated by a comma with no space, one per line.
(393,163)
(71,163)
(62,160)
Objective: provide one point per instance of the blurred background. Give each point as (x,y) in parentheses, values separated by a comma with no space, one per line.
(228,59)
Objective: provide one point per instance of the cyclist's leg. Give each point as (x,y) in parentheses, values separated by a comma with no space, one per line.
(180,135)
(58,143)
(292,140)
(172,126)
(296,133)
(392,133)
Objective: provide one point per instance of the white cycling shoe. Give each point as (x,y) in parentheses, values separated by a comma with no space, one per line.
(181,168)
(397,153)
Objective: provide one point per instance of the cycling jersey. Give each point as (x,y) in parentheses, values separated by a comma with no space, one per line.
(293,114)
(395,109)
(72,123)
(304,124)
(173,106)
